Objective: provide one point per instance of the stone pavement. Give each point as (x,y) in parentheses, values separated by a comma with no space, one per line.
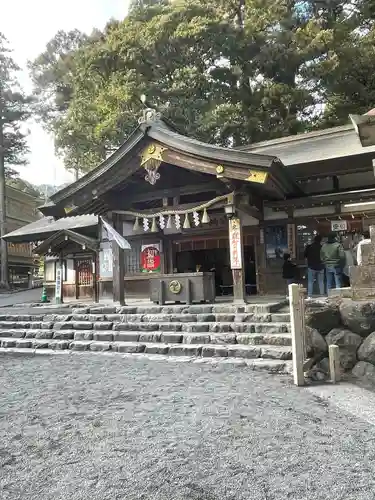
(95,427)
(21,297)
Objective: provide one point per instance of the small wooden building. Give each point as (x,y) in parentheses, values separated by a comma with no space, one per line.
(69,243)
(21,209)
(202,219)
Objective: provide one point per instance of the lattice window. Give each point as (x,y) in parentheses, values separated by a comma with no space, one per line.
(84,272)
(133,259)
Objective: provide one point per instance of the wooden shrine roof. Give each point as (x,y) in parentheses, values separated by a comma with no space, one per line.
(61,241)
(87,195)
(47,226)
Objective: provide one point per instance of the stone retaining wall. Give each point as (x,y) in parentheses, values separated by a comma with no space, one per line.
(350,325)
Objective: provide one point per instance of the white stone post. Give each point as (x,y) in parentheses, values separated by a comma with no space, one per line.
(298,335)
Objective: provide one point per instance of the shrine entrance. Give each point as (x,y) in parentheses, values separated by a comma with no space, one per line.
(211,253)
(84,278)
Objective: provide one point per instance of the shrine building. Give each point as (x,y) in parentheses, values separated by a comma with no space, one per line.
(200,220)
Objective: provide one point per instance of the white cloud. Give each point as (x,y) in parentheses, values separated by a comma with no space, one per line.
(29,25)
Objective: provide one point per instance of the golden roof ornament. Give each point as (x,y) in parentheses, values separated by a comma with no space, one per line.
(151,159)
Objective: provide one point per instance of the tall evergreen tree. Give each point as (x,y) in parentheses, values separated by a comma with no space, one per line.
(14,110)
(224,71)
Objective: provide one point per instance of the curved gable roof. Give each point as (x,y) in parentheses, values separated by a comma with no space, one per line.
(114,170)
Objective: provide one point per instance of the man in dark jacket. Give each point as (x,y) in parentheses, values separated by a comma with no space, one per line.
(290,271)
(333,258)
(315,267)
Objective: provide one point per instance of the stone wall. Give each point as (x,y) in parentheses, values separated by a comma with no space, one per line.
(350,325)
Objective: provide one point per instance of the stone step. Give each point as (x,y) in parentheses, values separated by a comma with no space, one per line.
(218,308)
(40,325)
(150,327)
(256,364)
(148,318)
(166,337)
(196,350)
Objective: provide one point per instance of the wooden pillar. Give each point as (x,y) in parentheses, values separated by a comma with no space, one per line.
(236,259)
(30,278)
(164,255)
(95,263)
(297,331)
(169,256)
(260,260)
(118,274)
(334,363)
(118,256)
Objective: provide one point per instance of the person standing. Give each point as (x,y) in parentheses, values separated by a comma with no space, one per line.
(315,267)
(349,262)
(290,271)
(365,241)
(333,257)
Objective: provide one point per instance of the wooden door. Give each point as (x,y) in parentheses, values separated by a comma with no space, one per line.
(250,264)
(84,278)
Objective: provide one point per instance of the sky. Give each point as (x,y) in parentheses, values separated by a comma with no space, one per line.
(29,25)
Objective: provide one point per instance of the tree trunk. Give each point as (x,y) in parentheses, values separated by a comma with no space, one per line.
(240,14)
(4,282)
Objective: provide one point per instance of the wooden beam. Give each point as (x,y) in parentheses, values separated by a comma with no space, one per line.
(326,199)
(228,184)
(251,211)
(185,206)
(240,173)
(181,190)
(250,199)
(124,200)
(329,167)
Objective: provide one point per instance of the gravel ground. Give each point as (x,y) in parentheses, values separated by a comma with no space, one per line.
(98,427)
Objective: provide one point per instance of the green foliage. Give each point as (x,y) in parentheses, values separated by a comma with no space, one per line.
(224,71)
(14,110)
(22,185)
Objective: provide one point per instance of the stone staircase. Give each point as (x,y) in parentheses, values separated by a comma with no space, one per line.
(258,335)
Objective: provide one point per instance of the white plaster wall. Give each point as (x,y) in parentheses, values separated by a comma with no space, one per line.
(70,272)
(366,207)
(49,270)
(306,212)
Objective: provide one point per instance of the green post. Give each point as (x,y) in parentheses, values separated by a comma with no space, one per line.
(44,295)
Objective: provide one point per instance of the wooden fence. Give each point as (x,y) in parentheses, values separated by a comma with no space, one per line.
(299,340)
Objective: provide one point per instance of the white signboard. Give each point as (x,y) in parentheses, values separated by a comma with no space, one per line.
(235,242)
(339,225)
(58,286)
(106,261)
